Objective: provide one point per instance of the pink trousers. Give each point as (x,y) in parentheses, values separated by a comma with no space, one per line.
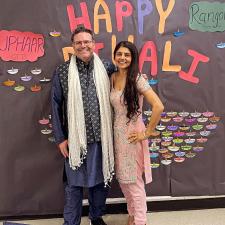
(135,194)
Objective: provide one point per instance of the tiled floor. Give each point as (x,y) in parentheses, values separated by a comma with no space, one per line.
(192,217)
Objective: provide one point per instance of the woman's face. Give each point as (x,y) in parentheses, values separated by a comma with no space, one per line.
(123,58)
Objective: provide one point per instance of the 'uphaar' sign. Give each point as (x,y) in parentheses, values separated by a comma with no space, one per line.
(21,46)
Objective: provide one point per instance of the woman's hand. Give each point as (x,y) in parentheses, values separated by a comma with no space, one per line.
(135,137)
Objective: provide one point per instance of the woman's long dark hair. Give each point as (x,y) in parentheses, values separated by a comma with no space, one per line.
(130,91)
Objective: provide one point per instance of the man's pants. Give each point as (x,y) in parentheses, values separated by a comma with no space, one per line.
(73,205)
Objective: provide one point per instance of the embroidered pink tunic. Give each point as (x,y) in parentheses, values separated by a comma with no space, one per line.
(125,152)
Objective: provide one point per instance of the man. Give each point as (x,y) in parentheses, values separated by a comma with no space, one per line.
(83,129)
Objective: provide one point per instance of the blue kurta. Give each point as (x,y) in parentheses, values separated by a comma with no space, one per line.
(90,172)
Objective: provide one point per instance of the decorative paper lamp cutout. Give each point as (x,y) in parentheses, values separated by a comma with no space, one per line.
(171,114)
(166,162)
(202,119)
(190,120)
(152,81)
(13,71)
(173,148)
(163,150)
(167,133)
(191,134)
(178,134)
(211,126)
(19,88)
(205,133)
(166,143)
(220,45)
(35,88)
(9,83)
(163,114)
(197,127)
(189,140)
(156,140)
(178,33)
(167,138)
(178,119)
(153,147)
(202,140)
(172,127)
(45,80)
(55,33)
(44,121)
(195,114)
(46,131)
(214,119)
(165,119)
(36,71)
(190,155)
(179,159)
(160,127)
(208,114)
(178,141)
(154,155)
(168,155)
(154,165)
(183,114)
(186,147)
(184,127)
(148,113)
(180,154)
(26,78)
(198,148)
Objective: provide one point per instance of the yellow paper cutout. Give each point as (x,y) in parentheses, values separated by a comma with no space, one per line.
(105,16)
(66,51)
(166,59)
(130,39)
(163,14)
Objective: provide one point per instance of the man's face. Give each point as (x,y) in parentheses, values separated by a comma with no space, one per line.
(83,46)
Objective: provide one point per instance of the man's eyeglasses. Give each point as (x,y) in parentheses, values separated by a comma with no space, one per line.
(79,43)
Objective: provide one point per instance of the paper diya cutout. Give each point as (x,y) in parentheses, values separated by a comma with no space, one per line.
(163,114)
(179,159)
(148,113)
(178,33)
(9,83)
(183,114)
(154,155)
(186,147)
(163,150)
(178,140)
(190,120)
(36,71)
(214,119)
(180,154)
(184,127)
(13,71)
(208,114)
(153,148)
(168,155)
(152,81)
(19,88)
(166,143)
(211,126)
(198,148)
(160,127)
(220,45)
(46,131)
(166,162)
(202,140)
(154,165)
(205,133)
(202,119)
(197,127)
(171,114)
(26,78)
(55,33)
(173,148)
(191,134)
(170,138)
(35,88)
(45,80)
(189,140)
(178,119)
(165,119)
(156,140)
(178,134)
(195,114)
(43,121)
(190,155)
(167,133)
(172,127)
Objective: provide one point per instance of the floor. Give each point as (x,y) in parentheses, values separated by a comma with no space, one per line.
(191,217)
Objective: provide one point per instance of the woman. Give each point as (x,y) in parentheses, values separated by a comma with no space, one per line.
(128,87)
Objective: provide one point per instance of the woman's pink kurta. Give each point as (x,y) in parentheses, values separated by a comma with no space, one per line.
(125,152)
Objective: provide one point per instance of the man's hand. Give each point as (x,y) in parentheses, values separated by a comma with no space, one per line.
(63,147)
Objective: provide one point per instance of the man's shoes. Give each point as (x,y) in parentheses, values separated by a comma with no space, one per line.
(98,221)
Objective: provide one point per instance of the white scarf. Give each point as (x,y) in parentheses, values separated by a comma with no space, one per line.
(77,140)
